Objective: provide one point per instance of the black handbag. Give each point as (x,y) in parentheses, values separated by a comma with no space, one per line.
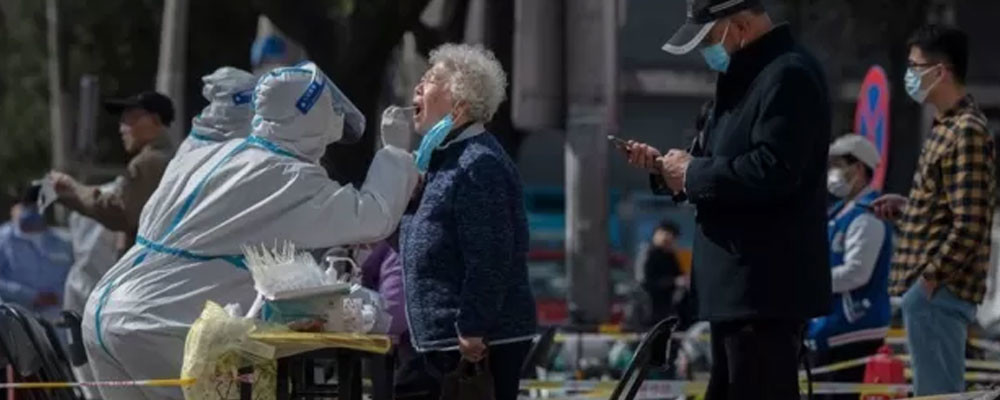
(469,381)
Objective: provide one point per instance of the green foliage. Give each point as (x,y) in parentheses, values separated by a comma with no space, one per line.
(113,39)
(24,118)
(117,41)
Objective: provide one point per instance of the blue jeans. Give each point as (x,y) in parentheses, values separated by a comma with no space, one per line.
(936,329)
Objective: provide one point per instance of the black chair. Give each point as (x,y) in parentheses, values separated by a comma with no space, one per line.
(61,357)
(52,369)
(71,321)
(20,354)
(538,355)
(653,352)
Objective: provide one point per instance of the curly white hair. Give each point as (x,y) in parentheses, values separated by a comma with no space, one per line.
(474,77)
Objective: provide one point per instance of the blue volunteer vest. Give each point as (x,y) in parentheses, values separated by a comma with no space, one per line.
(862,313)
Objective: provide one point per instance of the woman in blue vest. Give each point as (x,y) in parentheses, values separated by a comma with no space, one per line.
(860,254)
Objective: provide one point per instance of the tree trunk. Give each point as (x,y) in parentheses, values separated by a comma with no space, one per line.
(172,62)
(59,101)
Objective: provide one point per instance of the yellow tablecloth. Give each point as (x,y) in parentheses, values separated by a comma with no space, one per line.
(287,343)
(218,345)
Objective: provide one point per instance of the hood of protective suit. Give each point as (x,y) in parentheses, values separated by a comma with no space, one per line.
(230,93)
(300,109)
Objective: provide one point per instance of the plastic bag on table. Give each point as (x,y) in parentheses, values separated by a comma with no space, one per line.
(368,311)
(217,346)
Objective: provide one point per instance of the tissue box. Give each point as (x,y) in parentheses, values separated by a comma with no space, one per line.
(323,302)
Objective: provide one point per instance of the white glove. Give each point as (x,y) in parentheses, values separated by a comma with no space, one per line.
(397,127)
(47,195)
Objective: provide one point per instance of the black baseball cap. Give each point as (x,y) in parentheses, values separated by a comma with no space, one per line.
(701,17)
(150,101)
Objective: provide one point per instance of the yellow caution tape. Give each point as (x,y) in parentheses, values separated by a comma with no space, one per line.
(667,388)
(972,376)
(838,366)
(628,337)
(977,364)
(63,385)
(613,332)
(985,344)
(982,395)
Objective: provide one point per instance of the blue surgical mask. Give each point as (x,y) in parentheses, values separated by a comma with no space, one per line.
(914,80)
(30,217)
(716,56)
(431,141)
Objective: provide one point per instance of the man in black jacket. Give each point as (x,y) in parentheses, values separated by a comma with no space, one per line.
(758,181)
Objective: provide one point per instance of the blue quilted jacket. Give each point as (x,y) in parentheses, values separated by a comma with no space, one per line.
(464,249)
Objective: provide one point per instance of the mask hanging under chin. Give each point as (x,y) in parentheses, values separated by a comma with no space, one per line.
(431,141)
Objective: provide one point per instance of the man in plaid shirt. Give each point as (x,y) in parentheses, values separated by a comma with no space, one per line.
(942,257)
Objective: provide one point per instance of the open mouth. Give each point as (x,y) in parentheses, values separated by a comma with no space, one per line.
(417,111)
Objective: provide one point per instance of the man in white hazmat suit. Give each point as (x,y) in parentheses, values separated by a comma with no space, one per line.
(213,200)
(229,92)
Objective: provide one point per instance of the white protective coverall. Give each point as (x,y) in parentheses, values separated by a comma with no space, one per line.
(229,92)
(264,189)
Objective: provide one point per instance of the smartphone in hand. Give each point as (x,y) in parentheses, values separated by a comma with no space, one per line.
(618,142)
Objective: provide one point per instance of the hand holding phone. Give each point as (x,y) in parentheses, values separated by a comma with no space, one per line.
(620,143)
(640,155)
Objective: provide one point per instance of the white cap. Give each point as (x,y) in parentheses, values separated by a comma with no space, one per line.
(858,147)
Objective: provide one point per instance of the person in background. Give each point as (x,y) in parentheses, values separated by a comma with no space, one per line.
(144,121)
(860,254)
(760,268)
(230,93)
(383,271)
(942,256)
(465,245)
(95,250)
(34,261)
(661,272)
(273,50)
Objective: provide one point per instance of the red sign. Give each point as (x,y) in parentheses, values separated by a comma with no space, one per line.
(871,118)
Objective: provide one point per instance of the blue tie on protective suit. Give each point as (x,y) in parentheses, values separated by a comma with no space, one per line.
(216,199)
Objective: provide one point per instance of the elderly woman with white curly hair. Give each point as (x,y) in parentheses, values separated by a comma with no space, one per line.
(464,243)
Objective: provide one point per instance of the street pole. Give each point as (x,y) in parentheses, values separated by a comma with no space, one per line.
(591,94)
(58,99)
(538,90)
(173,55)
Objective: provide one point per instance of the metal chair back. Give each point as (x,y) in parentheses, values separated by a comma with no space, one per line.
(653,352)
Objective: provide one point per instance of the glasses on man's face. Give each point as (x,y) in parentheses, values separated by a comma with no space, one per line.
(921,65)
